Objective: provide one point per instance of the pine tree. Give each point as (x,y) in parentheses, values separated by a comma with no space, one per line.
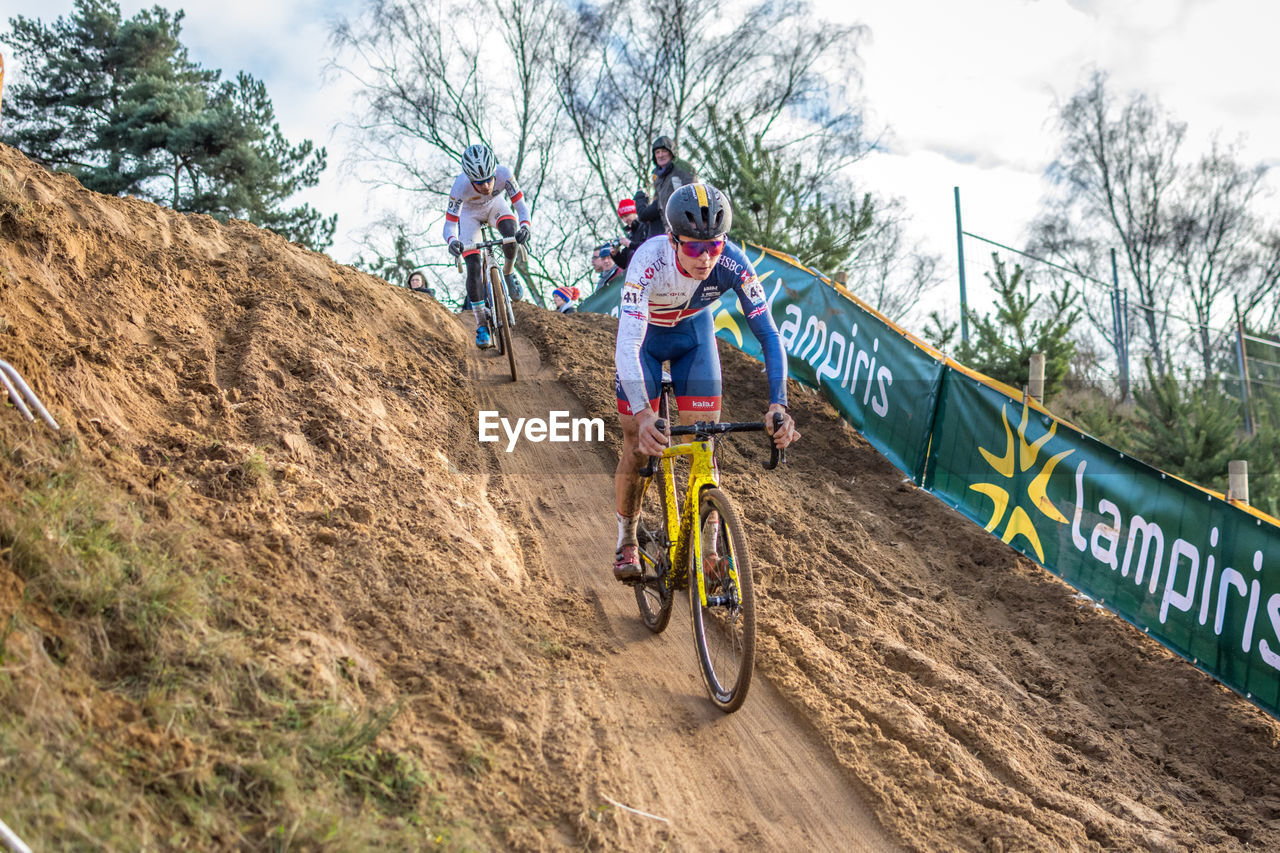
(1002,346)
(1188,427)
(119,104)
(779,203)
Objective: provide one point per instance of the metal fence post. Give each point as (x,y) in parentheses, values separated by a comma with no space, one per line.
(964,302)
(11,839)
(1238,480)
(19,392)
(1242,362)
(1035,383)
(1120,305)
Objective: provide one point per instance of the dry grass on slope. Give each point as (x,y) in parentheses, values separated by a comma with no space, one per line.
(260,592)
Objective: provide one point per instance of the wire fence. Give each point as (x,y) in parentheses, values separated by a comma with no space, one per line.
(1115,343)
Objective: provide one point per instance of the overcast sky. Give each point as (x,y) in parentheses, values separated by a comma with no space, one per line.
(964,92)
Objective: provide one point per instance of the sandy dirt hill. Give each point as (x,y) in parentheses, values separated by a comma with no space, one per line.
(355,548)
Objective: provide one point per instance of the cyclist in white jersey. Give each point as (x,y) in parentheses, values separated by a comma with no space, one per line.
(477,199)
(671,282)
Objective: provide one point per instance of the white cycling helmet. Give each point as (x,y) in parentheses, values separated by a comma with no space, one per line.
(478,163)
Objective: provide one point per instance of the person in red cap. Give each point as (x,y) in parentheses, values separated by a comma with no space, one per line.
(637,233)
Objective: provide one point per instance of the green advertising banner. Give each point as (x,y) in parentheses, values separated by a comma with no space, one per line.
(880,381)
(605,300)
(1196,572)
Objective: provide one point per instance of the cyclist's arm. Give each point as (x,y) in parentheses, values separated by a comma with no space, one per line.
(517,199)
(453,211)
(633,323)
(755,305)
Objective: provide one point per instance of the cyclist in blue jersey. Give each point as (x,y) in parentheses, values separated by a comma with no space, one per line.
(671,282)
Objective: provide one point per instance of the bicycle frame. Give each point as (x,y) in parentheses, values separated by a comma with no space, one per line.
(499,315)
(701,475)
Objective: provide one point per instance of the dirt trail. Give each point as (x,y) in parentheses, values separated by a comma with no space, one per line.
(918,683)
(756,779)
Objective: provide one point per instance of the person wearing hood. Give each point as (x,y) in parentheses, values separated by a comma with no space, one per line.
(669,175)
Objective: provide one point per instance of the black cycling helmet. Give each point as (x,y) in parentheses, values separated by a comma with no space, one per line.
(699,211)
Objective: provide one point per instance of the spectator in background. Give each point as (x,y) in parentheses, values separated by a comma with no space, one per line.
(418,284)
(566,299)
(603,263)
(637,232)
(669,175)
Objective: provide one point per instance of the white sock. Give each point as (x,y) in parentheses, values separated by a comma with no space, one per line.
(627,529)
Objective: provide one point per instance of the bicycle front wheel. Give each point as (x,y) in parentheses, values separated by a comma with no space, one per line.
(724,630)
(652,590)
(501,315)
(655,589)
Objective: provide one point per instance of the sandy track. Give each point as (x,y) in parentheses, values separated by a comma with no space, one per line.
(755,779)
(908,663)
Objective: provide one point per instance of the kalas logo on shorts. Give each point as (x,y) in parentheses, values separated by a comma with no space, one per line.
(702,404)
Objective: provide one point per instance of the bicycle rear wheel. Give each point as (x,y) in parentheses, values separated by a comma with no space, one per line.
(501,313)
(724,631)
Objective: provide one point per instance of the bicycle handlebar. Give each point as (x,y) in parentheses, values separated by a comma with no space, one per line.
(489,244)
(706,429)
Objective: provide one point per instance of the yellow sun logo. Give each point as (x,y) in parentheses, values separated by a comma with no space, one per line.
(1019,523)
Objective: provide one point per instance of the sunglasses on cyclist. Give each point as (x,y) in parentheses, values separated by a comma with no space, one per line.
(480,184)
(695,248)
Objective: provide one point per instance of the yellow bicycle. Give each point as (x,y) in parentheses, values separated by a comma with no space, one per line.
(699,545)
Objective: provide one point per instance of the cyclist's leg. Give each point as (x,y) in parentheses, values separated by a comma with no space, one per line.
(468,230)
(627,484)
(475,286)
(695,376)
(507,228)
(504,219)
